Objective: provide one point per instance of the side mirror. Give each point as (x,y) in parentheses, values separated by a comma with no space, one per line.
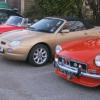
(65,31)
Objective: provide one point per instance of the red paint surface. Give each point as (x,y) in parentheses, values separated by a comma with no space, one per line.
(6,28)
(84,50)
(81,80)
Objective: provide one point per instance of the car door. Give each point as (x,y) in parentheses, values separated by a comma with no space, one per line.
(61,37)
(70,35)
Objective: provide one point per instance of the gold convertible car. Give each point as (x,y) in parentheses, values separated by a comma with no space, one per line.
(37,43)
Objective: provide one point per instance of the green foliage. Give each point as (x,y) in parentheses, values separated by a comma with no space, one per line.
(60,7)
(95,6)
(56,8)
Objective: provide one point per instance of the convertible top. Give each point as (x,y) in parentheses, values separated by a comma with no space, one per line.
(87,23)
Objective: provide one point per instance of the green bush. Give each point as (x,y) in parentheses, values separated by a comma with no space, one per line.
(58,8)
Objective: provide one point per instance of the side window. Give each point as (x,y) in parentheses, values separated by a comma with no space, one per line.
(3,17)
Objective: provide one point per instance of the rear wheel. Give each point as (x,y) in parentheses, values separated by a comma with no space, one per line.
(39,55)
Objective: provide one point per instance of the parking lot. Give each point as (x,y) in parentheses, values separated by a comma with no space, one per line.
(21,81)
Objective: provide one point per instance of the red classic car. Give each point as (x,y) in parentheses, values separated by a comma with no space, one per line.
(14,23)
(79,61)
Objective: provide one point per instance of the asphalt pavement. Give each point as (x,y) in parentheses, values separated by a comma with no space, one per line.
(21,81)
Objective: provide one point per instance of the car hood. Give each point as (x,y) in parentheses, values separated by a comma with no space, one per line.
(82,49)
(5,28)
(21,35)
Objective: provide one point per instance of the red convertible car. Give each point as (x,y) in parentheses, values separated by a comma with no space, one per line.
(14,23)
(79,61)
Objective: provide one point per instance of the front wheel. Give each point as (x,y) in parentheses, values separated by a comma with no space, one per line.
(39,55)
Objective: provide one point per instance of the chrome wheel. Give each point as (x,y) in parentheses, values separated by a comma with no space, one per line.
(40,55)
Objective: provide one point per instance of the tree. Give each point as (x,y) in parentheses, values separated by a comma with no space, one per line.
(79,4)
(56,8)
(95,6)
(61,7)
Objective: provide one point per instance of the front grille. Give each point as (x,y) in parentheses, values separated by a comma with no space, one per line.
(72,63)
(77,64)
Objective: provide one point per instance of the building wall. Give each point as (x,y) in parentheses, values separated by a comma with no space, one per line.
(26,5)
(15,4)
(2,0)
(22,5)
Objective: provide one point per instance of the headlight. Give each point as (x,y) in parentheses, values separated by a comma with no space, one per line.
(58,49)
(15,43)
(97,60)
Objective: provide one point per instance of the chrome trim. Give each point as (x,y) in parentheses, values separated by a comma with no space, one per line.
(73,70)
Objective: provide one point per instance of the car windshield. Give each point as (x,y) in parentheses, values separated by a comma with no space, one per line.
(48,25)
(14,20)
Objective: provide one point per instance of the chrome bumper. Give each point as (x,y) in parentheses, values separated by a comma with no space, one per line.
(76,71)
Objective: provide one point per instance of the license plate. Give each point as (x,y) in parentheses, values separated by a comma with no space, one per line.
(1,50)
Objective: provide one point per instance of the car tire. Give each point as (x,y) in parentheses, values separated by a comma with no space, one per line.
(39,55)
